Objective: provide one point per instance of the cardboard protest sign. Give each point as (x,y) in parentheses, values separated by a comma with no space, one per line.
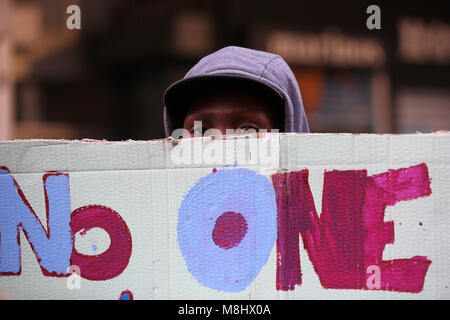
(279,216)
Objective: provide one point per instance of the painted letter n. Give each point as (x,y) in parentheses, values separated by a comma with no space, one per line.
(52,246)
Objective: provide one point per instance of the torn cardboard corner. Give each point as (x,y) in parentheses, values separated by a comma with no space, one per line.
(283,216)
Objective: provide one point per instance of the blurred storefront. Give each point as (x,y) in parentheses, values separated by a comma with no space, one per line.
(106,80)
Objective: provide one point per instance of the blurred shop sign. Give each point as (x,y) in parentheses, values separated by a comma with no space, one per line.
(326,48)
(421,42)
(424,110)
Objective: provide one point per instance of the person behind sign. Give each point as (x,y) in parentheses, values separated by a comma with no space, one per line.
(236,88)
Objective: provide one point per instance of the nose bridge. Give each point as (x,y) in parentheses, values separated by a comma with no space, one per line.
(223,129)
(214,130)
(220,123)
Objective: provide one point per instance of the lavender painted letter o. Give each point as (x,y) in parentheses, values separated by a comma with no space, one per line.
(236,190)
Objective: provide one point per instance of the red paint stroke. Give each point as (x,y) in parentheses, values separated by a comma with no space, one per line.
(405,275)
(46,230)
(291,197)
(229,230)
(350,234)
(115,259)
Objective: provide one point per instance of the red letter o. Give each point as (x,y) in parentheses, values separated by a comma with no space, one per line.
(114,260)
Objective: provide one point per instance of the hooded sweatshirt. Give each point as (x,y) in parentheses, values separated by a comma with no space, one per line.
(241,63)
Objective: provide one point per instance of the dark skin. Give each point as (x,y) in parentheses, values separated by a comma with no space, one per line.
(232,110)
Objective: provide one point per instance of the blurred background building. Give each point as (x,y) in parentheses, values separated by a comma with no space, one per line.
(106,80)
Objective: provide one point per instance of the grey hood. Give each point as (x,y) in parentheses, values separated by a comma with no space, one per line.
(235,62)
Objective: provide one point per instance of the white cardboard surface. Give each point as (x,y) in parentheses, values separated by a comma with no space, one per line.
(140,181)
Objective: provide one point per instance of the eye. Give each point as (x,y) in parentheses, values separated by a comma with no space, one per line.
(249,128)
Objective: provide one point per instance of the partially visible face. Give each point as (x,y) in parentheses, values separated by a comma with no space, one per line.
(234,110)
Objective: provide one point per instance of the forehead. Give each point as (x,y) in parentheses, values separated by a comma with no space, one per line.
(230,102)
(235,101)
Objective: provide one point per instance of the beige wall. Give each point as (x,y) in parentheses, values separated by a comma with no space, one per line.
(6,81)
(29,32)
